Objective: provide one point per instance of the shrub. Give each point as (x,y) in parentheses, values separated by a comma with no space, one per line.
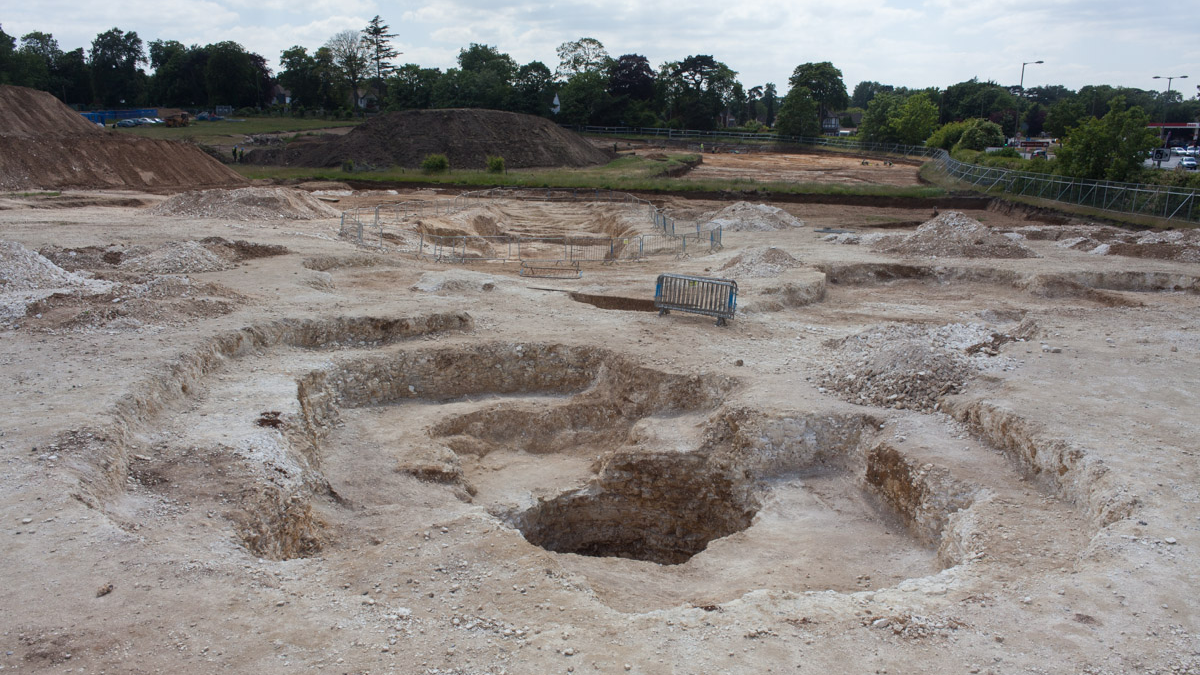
(437,163)
(495,164)
(1005,152)
(981,134)
(946,137)
(348,165)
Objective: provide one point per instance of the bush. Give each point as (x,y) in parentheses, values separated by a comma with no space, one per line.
(495,164)
(981,134)
(1005,152)
(946,137)
(435,164)
(348,165)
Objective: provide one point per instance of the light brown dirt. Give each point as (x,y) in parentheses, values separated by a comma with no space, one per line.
(344,469)
(800,168)
(44,145)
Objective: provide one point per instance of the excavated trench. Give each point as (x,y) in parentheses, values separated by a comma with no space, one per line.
(584,452)
(651,466)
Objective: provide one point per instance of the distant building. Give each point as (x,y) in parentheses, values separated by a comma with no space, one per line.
(1177,133)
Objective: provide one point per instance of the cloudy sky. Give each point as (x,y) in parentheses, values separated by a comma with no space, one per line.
(914,43)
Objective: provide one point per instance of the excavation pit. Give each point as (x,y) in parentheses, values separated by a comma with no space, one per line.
(631,475)
(659,509)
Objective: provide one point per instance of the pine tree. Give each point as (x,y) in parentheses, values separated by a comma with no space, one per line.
(379,49)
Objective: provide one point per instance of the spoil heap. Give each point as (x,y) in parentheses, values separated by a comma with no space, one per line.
(759,263)
(466,136)
(46,145)
(955,235)
(252,203)
(747,217)
(909,366)
(27,276)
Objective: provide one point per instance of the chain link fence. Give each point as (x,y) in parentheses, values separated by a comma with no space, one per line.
(1155,201)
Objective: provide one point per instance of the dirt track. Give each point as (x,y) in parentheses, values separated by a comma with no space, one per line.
(327,458)
(803,168)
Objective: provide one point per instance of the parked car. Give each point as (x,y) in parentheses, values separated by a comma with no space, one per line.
(1038,153)
(1180,150)
(1193,151)
(1188,163)
(129,123)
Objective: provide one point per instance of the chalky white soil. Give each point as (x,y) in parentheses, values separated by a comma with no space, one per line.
(335,459)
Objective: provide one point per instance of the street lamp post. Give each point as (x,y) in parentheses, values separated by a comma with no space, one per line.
(1022,88)
(1168,78)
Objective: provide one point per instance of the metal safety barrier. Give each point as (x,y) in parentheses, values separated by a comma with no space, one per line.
(550,269)
(372,226)
(697,295)
(1138,199)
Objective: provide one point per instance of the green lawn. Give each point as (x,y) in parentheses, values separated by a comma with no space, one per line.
(625,173)
(228,132)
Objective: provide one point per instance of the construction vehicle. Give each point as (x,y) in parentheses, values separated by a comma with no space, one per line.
(179,120)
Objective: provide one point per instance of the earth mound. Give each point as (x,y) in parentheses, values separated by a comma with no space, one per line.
(760,263)
(252,203)
(953,234)
(46,145)
(747,217)
(27,276)
(466,136)
(910,366)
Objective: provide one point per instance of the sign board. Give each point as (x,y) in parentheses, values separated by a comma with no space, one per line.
(1161,155)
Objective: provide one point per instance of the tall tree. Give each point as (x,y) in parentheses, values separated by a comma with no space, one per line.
(1112,147)
(697,89)
(114,59)
(411,87)
(876,124)
(32,65)
(75,78)
(585,100)
(8,46)
(916,119)
(632,76)
(752,97)
(234,76)
(824,81)
(298,74)
(585,55)
(379,50)
(865,91)
(769,100)
(1063,115)
(350,59)
(798,114)
(532,89)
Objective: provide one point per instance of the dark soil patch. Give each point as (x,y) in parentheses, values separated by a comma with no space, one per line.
(467,137)
(616,302)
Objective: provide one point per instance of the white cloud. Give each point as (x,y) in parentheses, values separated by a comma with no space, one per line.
(914,43)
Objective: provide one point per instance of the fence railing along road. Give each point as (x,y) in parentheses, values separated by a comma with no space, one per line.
(1155,201)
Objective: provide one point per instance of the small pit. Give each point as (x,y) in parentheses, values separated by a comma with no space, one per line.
(659,509)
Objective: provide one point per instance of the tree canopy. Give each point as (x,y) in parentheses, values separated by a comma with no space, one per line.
(1111,147)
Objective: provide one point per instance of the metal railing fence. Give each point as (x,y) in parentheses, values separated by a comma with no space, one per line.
(1139,199)
(367,226)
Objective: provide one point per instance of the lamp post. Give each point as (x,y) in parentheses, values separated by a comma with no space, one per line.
(1022,87)
(1168,78)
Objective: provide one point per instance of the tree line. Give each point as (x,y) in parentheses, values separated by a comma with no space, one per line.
(357,70)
